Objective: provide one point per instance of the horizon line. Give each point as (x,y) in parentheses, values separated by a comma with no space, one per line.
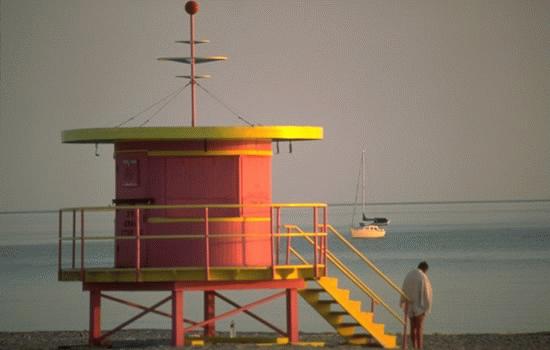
(482,201)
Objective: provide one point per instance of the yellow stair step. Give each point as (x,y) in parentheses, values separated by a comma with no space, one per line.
(349,320)
(349,324)
(335,317)
(366,317)
(352,306)
(315,290)
(324,306)
(328,282)
(376,329)
(347,329)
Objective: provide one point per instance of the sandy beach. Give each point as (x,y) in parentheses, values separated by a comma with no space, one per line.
(160,339)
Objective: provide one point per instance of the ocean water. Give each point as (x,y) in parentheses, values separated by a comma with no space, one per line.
(489,267)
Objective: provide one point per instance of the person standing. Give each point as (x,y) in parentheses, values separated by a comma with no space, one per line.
(418,288)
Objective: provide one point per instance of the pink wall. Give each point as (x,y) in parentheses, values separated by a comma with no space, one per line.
(143,174)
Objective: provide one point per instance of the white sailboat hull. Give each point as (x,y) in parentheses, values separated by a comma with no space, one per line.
(370,231)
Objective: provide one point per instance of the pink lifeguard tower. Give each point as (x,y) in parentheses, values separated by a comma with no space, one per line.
(193,212)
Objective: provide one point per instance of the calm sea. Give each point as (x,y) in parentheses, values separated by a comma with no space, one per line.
(489,266)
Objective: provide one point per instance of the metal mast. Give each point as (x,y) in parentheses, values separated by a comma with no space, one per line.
(192,7)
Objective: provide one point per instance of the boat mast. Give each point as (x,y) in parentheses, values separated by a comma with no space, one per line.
(363,182)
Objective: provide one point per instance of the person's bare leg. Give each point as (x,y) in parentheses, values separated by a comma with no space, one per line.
(420,331)
(413,332)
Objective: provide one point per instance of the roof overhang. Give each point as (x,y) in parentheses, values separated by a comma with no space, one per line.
(114,135)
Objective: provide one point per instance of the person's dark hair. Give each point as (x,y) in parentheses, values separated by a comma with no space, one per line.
(423,266)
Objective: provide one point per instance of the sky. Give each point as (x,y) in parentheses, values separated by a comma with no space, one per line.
(450,99)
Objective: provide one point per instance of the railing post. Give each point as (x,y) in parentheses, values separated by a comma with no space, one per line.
(206,244)
(271,246)
(288,243)
(405,319)
(325,238)
(60,244)
(82,244)
(316,244)
(278,240)
(138,243)
(74,240)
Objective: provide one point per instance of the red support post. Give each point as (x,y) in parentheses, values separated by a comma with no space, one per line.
(177,317)
(209,312)
(95,317)
(138,244)
(292,315)
(206,245)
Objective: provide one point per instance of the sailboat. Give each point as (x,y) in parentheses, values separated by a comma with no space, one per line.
(368,227)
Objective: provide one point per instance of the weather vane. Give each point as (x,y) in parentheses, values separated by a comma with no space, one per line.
(192,7)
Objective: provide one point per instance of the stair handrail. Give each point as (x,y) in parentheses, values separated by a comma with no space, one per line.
(340,265)
(368,262)
(384,277)
(363,286)
(353,277)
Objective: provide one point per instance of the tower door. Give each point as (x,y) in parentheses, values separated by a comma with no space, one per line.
(132,189)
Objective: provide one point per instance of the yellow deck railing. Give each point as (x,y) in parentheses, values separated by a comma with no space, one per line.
(76,232)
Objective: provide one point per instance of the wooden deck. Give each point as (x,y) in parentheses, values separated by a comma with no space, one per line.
(183,274)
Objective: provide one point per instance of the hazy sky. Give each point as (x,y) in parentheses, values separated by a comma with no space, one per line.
(451,99)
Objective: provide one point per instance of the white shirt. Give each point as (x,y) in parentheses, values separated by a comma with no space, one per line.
(418,288)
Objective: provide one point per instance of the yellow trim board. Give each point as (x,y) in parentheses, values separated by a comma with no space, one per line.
(260,341)
(173,274)
(243,152)
(131,151)
(168,220)
(114,135)
(201,206)
(313,344)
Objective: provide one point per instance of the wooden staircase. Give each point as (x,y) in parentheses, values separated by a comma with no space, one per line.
(322,299)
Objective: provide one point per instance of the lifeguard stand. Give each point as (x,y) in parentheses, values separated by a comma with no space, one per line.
(193,212)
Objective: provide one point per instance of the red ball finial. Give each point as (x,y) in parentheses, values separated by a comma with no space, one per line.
(191,7)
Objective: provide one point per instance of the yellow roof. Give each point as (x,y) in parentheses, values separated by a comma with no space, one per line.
(113,135)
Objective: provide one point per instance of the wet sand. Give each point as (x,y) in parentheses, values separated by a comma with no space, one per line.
(160,340)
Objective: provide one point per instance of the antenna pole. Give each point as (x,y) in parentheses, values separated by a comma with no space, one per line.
(191,7)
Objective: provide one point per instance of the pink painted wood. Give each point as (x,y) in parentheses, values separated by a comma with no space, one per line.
(292,319)
(95,317)
(177,317)
(171,173)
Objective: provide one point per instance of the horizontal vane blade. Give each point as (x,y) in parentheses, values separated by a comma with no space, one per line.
(197,59)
